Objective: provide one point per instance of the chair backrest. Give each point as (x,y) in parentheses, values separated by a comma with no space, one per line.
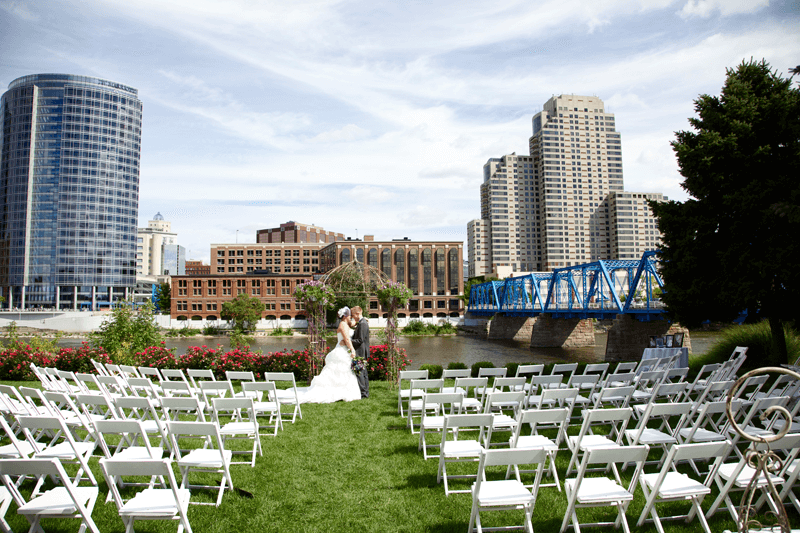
(150,371)
(601,369)
(143,387)
(280,376)
(625,366)
(426,385)
(542,417)
(509,384)
(476,384)
(566,369)
(129,371)
(112,385)
(132,429)
(453,373)
(88,380)
(481,422)
(619,378)
(558,397)
(182,405)
(18,445)
(96,404)
(198,375)
(408,375)
(441,400)
(176,388)
(36,400)
(546,382)
(238,375)
(676,375)
(173,374)
(617,396)
(585,381)
(261,386)
(241,409)
(486,372)
(101,370)
(529,370)
(751,386)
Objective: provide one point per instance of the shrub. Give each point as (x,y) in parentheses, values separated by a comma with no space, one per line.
(445,328)
(239,359)
(296,361)
(281,332)
(434,371)
(512,368)
(480,364)
(415,327)
(757,338)
(377,362)
(200,357)
(456,366)
(80,360)
(15,363)
(156,356)
(208,329)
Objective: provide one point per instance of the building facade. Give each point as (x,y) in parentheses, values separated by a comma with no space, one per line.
(150,246)
(433,271)
(69,191)
(197,268)
(295,232)
(563,204)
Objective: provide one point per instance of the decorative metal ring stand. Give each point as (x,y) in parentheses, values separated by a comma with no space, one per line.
(763,460)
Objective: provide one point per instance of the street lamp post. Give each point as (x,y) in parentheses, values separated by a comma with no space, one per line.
(237,236)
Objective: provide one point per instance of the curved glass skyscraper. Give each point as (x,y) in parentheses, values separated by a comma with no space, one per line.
(69,191)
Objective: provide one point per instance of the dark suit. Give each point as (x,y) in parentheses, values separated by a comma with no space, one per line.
(361,345)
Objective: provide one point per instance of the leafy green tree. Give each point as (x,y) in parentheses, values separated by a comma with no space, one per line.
(243,312)
(350,291)
(164,298)
(127,331)
(474,281)
(733,245)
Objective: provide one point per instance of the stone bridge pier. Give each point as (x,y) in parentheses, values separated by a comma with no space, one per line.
(628,337)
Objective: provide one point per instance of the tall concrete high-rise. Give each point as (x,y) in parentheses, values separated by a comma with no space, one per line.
(563,204)
(150,246)
(69,191)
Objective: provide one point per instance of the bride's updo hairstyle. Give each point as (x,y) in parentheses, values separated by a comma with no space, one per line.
(343,312)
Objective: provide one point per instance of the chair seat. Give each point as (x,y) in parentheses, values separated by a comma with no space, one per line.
(461,448)
(237,428)
(702,435)
(10,451)
(599,489)
(746,475)
(404,393)
(651,436)
(205,458)
(154,503)
(676,485)
(503,492)
(592,441)
(454,390)
(504,422)
(266,407)
(471,403)
(63,450)
(57,502)
(137,453)
(432,422)
(536,441)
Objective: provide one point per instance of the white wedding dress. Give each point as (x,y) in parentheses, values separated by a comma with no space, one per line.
(336,381)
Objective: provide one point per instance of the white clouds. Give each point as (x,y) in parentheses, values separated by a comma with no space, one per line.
(19,9)
(704,8)
(350,132)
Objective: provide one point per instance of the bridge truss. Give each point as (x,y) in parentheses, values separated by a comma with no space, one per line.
(590,290)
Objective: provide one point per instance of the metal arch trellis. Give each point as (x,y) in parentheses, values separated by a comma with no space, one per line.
(584,291)
(354,279)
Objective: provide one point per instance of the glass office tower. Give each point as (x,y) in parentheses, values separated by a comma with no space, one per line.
(69,191)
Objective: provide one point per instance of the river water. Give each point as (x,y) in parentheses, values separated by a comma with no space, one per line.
(442,350)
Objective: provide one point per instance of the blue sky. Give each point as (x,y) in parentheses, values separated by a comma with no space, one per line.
(376,117)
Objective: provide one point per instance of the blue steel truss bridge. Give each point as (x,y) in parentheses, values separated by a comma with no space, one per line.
(602,290)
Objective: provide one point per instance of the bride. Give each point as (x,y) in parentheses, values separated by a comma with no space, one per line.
(337,380)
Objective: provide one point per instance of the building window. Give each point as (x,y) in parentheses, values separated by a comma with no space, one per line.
(453,266)
(413,271)
(372,258)
(426,272)
(400,265)
(386,262)
(345,256)
(360,255)
(440,281)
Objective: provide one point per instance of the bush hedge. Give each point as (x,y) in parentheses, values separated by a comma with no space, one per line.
(434,371)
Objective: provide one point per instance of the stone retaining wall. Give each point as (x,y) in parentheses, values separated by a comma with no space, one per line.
(551,332)
(628,337)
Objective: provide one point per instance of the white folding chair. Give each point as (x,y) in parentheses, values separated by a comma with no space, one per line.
(617,397)
(625,366)
(527,372)
(177,406)
(240,377)
(586,385)
(460,450)
(404,395)
(65,408)
(71,383)
(596,369)
(5,503)
(646,383)
(62,446)
(508,384)
(663,435)
(736,477)
(454,374)
(212,459)
(130,433)
(151,372)
(504,406)
(265,402)
(96,407)
(436,403)
(539,384)
(536,419)
(491,373)
(64,501)
(166,503)
(583,491)
(145,388)
(243,424)
(210,390)
(505,494)
(669,485)
(197,376)
(619,379)
(128,371)
(474,402)
(112,386)
(419,388)
(616,419)
(144,412)
(287,392)
(99,368)
(17,449)
(566,370)
(176,375)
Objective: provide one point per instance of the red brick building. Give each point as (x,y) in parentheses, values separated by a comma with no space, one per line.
(197,268)
(296,232)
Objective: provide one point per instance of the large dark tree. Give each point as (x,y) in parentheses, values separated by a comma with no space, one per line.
(735,244)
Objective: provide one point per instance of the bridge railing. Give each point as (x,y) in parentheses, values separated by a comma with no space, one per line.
(600,289)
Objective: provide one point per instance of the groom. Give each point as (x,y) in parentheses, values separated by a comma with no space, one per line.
(361,345)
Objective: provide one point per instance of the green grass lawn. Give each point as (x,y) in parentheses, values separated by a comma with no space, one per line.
(352,467)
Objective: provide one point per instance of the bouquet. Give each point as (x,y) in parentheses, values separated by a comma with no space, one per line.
(358,365)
